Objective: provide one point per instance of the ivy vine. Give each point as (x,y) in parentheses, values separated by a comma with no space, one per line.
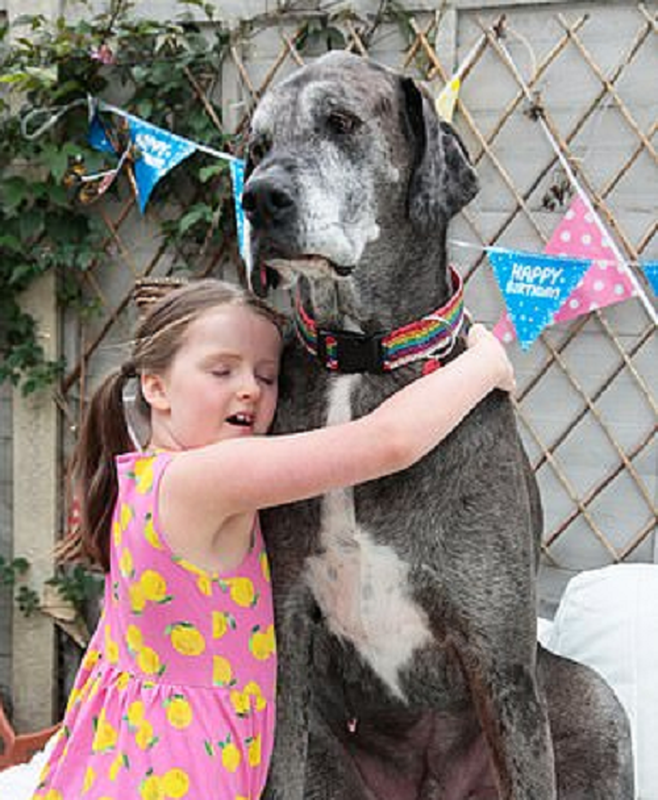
(163,72)
(75,584)
(12,576)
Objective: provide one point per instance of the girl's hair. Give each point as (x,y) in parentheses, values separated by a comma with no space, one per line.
(105,433)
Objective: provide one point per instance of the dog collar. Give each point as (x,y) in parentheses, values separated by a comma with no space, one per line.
(431,337)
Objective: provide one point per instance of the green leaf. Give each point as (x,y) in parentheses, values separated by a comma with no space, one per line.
(198,213)
(206,173)
(31,224)
(14,191)
(11,242)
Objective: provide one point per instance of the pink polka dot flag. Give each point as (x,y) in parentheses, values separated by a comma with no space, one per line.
(605,282)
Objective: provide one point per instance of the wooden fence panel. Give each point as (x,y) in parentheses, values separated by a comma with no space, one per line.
(587,399)
(586,404)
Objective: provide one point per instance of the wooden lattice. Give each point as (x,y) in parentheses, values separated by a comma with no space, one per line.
(629,336)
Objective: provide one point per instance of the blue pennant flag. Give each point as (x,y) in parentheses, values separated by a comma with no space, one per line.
(237,181)
(97,135)
(158,151)
(534,287)
(651,271)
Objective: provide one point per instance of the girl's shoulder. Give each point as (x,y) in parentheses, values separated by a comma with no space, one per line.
(142,468)
(127,461)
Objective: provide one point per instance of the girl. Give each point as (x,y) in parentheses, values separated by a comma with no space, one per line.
(175,695)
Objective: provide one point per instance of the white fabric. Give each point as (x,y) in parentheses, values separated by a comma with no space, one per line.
(544,631)
(608,619)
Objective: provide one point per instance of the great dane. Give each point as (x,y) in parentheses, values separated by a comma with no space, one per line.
(406,607)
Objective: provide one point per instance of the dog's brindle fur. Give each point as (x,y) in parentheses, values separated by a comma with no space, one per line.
(406,607)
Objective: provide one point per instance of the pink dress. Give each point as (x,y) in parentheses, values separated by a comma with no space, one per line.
(175,695)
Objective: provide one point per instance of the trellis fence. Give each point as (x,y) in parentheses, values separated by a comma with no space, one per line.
(587,399)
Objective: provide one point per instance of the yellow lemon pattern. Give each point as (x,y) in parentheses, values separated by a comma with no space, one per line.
(262,643)
(106,736)
(121,761)
(179,712)
(254,750)
(222,622)
(231,754)
(126,564)
(134,638)
(222,672)
(154,586)
(176,783)
(186,638)
(242,591)
(142,474)
(150,534)
(174,698)
(111,647)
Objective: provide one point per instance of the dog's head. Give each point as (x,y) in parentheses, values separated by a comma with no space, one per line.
(341,156)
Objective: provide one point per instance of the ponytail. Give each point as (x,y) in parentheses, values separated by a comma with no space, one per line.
(103,436)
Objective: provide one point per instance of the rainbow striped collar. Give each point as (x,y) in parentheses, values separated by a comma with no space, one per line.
(431,337)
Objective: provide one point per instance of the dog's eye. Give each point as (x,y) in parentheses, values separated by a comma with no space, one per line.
(257,152)
(342,123)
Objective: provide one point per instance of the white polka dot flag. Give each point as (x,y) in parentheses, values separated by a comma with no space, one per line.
(606,281)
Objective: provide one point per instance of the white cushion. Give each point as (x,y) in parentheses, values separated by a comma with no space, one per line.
(608,619)
(544,631)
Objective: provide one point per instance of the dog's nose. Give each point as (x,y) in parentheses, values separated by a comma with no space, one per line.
(266,202)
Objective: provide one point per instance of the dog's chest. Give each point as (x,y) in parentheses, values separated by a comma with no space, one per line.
(360,585)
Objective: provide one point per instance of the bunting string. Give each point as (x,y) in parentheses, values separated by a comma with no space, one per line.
(448,96)
(146,151)
(651,311)
(542,288)
(486,248)
(203,148)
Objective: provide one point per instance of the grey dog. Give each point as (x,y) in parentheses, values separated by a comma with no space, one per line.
(405,607)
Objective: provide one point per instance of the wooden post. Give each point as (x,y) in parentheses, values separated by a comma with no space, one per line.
(35,484)
(35,519)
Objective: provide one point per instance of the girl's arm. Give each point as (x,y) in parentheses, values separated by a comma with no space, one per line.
(236,476)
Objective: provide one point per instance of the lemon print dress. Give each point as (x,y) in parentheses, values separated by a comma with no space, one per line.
(175,695)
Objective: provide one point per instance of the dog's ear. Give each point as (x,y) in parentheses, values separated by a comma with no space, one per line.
(442,179)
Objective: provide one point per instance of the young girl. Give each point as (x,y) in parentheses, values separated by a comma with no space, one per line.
(175,696)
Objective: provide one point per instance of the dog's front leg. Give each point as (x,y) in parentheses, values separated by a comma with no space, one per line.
(515,723)
(294,618)
(502,682)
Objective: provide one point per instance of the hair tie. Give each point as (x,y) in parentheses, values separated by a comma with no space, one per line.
(128,371)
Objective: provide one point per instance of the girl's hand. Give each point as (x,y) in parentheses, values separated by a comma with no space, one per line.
(482,339)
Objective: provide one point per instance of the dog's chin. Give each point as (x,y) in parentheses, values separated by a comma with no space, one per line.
(311,266)
(278,270)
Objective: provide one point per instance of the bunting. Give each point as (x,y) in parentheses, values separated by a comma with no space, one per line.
(447,99)
(651,271)
(607,280)
(534,287)
(237,182)
(152,153)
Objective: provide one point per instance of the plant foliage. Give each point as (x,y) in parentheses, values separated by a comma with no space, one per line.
(163,72)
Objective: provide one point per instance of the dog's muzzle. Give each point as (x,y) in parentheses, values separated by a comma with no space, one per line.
(268,201)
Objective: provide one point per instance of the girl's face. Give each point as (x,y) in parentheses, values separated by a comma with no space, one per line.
(222,383)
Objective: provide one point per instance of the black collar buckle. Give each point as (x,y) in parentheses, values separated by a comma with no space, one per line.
(354,351)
